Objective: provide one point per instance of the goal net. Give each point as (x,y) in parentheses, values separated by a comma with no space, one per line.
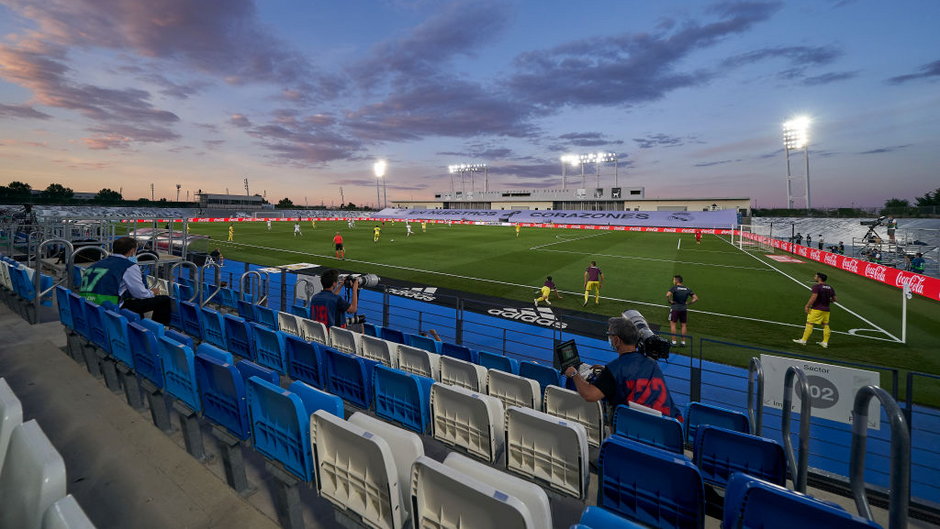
(755,239)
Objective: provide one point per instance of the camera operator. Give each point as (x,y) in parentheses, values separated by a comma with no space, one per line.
(327,306)
(631,377)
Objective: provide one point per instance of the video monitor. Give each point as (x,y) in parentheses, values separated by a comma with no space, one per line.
(566,355)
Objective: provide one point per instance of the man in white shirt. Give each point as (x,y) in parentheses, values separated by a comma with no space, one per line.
(119,280)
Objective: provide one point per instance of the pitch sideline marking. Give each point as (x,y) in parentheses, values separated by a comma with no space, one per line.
(575,293)
(569,240)
(656,259)
(843,307)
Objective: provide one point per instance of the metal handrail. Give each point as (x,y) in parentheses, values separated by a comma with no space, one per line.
(218,280)
(197,289)
(755,410)
(37,274)
(70,264)
(900,456)
(798,469)
(245,281)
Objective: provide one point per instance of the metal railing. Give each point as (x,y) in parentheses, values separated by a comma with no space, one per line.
(798,468)
(194,274)
(755,400)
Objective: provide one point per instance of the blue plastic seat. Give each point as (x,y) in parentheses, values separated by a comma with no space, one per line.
(117,334)
(94,315)
(227,298)
(595,517)
(269,347)
(303,360)
(185,290)
(79,320)
(207,349)
(423,342)
(543,374)
(147,361)
(159,331)
(661,432)
(649,485)
(179,372)
(368,329)
(392,335)
(300,311)
(250,369)
(720,452)
(130,315)
(63,306)
(266,317)
(238,338)
(403,398)
(223,394)
(750,502)
(213,327)
(246,310)
(700,414)
(459,352)
(315,399)
(348,377)
(498,361)
(191,319)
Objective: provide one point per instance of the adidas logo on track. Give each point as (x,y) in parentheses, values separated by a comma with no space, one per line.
(540,316)
(417,293)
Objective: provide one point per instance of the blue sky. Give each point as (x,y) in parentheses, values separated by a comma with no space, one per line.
(302,97)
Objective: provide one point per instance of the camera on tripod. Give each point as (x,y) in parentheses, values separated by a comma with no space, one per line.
(365,280)
(874,223)
(649,344)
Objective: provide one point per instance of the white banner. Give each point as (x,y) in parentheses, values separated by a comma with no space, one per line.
(832,388)
(291,267)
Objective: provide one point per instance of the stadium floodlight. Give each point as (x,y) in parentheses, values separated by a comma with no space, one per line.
(467,169)
(796,137)
(379,168)
(575,160)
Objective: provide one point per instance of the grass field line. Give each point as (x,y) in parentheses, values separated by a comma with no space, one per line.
(565,239)
(498,282)
(656,259)
(843,307)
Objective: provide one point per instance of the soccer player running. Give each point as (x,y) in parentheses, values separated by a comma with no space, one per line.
(424,226)
(376,233)
(817,309)
(338,245)
(593,279)
(231,232)
(698,236)
(408,228)
(518,227)
(297,230)
(269,224)
(546,290)
(680,297)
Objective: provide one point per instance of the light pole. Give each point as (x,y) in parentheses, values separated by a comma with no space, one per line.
(178,186)
(596,158)
(467,169)
(379,169)
(796,137)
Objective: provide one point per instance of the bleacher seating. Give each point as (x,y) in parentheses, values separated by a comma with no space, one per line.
(467,421)
(147,361)
(33,478)
(459,352)
(379,350)
(548,450)
(402,398)
(238,338)
(595,517)
(191,319)
(11,416)
(423,342)
(266,316)
(514,390)
(314,331)
(347,376)
(499,362)
(699,413)
(720,452)
(419,362)
(213,330)
(544,375)
(658,431)
(569,405)
(344,340)
(303,360)
(456,372)
(222,393)
(287,323)
(179,372)
(392,335)
(269,347)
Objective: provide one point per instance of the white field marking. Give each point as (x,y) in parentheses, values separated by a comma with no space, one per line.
(679,244)
(569,240)
(635,258)
(572,292)
(707,251)
(843,307)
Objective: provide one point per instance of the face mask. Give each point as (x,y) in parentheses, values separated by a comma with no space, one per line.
(132,259)
(610,340)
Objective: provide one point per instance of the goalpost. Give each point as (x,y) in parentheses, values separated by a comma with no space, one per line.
(757,244)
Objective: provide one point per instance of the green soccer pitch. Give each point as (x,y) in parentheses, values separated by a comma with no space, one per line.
(745,297)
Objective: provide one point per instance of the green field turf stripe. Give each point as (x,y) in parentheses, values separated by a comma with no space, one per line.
(671,261)
(843,307)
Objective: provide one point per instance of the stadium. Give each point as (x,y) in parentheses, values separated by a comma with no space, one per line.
(632,271)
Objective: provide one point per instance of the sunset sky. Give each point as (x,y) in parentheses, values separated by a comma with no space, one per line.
(301,97)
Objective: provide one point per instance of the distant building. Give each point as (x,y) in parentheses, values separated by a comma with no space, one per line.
(590,199)
(223,201)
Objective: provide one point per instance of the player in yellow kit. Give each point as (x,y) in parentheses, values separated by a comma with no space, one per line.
(376,233)
(231,232)
(424,226)
(518,227)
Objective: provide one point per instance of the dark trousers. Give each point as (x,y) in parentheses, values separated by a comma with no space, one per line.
(160,305)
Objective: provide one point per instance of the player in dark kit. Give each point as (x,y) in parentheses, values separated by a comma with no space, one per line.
(817,309)
(680,297)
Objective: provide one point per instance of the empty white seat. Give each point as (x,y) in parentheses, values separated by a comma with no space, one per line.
(288,323)
(547,450)
(379,350)
(66,514)
(33,478)
(529,493)
(356,471)
(444,497)
(11,416)
(345,340)
(406,448)
(567,404)
(419,362)
(467,420)
(456,372)
(313,331)
(514,390)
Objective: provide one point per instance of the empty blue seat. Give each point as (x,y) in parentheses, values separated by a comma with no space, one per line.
(159,330)
(498,361)
(94,315)
(117,333)
(77,310)
(459,352)
(649,485)
(269,347)
(300,310)
(543,374)
(221,355)
(403,398)
(179,372)
(250,369)
(700,414)
(348,377)
(63,306)
(191,320)
(720,452)
(147,361)
(238,338)
(222,393)
(246,310)
(266,316)
(184,291)
(661,432)
(315,399)
(368,329)
(595,517)
(423,342)
(392,335)
(227,298)
(751,502)
(213,327)
(130,315)
(303,360)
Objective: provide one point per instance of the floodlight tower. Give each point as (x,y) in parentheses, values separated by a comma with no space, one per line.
(796,137)
(379,168)
(467,169)
(599,158)
(566,160)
